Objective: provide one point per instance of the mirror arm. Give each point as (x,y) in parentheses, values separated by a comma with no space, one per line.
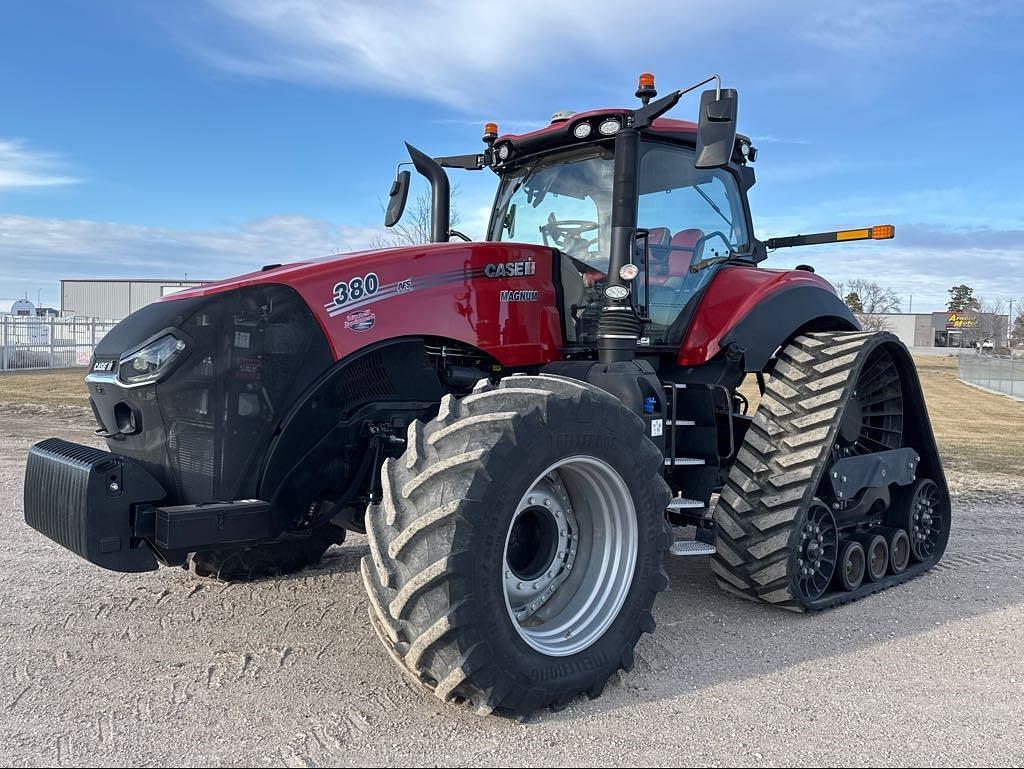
(643,117)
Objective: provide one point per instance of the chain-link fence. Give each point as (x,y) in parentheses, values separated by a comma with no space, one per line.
(28,342)
(1003,374)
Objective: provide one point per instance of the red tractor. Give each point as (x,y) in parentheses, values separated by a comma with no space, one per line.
(519,425)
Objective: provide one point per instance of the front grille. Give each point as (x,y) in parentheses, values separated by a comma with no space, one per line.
(251,353)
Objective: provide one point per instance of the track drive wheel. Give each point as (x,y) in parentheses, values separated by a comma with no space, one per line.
(517,550)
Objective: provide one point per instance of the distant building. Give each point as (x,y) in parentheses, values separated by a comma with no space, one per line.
(23,308)
(944,329)
(115,299)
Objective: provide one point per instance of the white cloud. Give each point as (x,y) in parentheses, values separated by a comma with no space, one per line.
(465,54)
(37,252)
(21,166)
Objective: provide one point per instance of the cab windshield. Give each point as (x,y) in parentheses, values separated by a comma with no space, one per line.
(694,218)
(562,201)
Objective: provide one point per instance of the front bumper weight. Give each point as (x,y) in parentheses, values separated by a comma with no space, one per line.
(86,499)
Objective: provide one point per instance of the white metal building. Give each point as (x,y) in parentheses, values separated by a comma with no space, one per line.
(115,299)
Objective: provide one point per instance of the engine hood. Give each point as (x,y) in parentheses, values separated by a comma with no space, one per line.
(497,297)
(291,272)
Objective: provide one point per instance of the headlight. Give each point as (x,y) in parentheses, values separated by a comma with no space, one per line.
(151,362)
(629,271)
(616,292)
(609,126)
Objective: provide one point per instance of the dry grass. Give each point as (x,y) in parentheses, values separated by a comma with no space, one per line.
(976,431)
(63,387)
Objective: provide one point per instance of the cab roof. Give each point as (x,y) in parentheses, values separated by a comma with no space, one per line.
(662,125)
(510,148)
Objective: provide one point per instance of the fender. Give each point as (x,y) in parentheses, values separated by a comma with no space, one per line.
(760,310)
(321,442)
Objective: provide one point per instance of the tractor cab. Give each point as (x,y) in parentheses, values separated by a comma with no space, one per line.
(691,221)
(642,210)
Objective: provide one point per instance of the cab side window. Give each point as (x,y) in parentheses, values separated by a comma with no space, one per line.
(693,215)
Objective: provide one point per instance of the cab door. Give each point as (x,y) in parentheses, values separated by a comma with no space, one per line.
(693,216)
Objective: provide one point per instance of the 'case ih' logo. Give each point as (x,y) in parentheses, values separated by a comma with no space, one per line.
(103,365)
(511,269)
(362,320)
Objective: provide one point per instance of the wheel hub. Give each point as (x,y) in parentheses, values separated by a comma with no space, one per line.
(850,425)
(540,550)
(570,553)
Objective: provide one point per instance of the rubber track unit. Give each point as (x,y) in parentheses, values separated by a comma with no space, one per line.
(780,465)
(427,615)
(272,559)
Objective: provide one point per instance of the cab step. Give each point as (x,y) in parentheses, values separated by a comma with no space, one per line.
(683,503)
(688,547)
(683,461)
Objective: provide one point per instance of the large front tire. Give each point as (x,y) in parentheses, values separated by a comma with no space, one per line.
(457,544)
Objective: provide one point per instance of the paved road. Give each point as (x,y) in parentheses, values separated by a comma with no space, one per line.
(100,668)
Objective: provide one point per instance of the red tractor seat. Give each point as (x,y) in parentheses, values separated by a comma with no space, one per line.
(672,260)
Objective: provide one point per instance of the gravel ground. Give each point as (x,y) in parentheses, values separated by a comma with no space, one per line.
(98,668)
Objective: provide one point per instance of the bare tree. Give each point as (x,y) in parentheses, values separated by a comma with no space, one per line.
(1017,324)
(413,228)
(991,321)
(869,301)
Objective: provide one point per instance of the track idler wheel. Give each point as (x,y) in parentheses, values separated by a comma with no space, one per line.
(816,553)
(928,519)
(850,571)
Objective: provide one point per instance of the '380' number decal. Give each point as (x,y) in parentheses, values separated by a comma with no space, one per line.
(355,289)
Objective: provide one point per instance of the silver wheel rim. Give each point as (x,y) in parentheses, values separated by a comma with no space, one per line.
(570,553)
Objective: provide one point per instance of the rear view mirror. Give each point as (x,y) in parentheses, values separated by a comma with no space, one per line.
(716,128)
(398,195)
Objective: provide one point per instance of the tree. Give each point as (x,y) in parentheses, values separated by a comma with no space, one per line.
(1017,327)
(870,301)
(413,228)
(990,321)
(961,299)
(853,302)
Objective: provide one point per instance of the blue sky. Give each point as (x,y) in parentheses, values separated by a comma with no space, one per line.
(214,136)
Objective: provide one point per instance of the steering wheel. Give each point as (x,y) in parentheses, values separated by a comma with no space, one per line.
(567,235)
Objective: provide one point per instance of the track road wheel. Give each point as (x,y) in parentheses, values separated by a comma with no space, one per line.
(294,553)
(830,395)
(850,572)
(899,549)
(876,552)
(517,550)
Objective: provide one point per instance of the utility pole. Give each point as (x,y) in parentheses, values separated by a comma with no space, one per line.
(1009,327)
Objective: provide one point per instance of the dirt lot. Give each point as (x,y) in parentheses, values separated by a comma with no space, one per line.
(98,668)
